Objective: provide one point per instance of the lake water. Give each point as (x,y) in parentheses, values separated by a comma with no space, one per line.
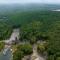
(56,10)
(7,56)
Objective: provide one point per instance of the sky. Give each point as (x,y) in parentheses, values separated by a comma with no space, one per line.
(29,1)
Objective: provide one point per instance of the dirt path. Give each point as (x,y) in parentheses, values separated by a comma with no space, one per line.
(35,55)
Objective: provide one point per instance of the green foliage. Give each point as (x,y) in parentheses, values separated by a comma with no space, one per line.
(41,48)
(58,58)
(51,57)
(30,31)
(33,40)
(37,25)
(26,48)
(1,45)
(5,31)
(54,41)
(20,19)
(18,55)
(21,51)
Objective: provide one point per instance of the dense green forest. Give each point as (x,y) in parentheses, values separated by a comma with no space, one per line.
(5,31)
(54,41)
(34,26)
(2,45)
(21,51)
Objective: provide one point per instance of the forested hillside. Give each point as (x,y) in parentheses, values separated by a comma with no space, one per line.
(5,31)
(34,26)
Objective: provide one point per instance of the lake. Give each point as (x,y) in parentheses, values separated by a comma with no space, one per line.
(7,56)
(56,10)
